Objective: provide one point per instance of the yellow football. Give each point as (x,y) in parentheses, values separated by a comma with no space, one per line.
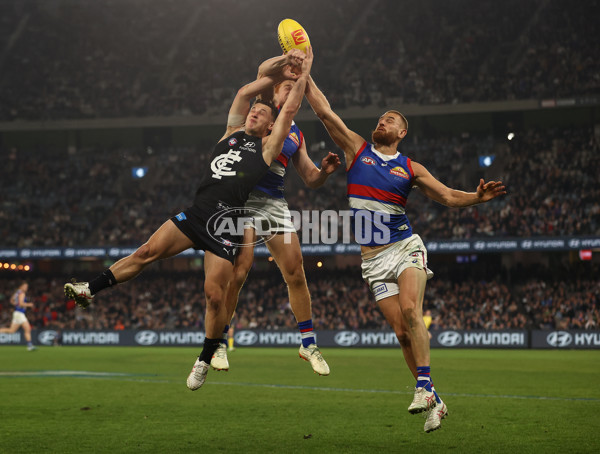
(292,36)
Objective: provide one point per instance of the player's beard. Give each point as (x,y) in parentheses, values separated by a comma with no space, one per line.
(382,138)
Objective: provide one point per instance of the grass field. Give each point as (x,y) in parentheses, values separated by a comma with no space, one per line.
(118,399)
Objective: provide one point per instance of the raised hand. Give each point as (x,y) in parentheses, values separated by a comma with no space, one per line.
(490,190)
(330,163)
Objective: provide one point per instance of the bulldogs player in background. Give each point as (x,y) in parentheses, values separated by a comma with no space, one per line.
(273,220)
(19,320)
(394,260)
(239,160)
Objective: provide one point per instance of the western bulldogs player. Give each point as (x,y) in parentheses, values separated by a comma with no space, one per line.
(19,319)
(237,163)
(394,260)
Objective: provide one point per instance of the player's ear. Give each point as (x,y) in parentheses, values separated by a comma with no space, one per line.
(402,133)
(270,127)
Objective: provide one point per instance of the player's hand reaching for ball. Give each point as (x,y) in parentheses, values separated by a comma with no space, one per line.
(294,58)
(307,62)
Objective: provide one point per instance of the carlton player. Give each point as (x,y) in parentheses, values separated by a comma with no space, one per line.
(394,259)
(237,163)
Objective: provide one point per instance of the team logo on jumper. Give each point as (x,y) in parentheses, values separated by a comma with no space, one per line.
(232,142)
(400,172)
(221,165)
(294,137)
(369,161)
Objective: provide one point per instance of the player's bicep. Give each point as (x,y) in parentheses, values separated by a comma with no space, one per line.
(429,185)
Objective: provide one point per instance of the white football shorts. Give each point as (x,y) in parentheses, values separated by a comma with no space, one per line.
(381,272)
(18,318)
(270,215)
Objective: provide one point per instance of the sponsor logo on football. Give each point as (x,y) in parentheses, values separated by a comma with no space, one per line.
(369,161)
(146,337)
(246,338)
(298,36)
(559,339)
(346,338)
(449,338)
(47,337)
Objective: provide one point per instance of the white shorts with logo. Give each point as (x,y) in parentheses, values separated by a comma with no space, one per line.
(18,318)
(270,215)
(381,272)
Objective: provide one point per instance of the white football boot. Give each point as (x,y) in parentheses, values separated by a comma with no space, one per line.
(80,292)
(313,355)
(435,416)
(422,401)
(219,359)
(198,374)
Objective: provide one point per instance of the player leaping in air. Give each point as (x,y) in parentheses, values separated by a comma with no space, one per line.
(271,217)
(240,159)
(394,260)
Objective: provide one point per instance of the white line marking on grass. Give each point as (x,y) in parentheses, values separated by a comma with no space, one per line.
(384,391)
(138,378)
(64,373)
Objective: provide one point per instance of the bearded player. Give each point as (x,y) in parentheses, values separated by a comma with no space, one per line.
(394,260)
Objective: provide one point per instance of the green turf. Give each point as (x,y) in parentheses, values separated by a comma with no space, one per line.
(270,401)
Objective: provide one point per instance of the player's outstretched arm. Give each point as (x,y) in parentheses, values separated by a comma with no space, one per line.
(273,66)
(436,190)
(312,176)
(282,125)
(343,137)
(241,103)
(285,66)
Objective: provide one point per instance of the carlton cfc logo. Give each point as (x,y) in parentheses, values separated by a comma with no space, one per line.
(232,142)
(369,161)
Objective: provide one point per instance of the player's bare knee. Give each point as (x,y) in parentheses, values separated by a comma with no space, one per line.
(294,277)
(145,253)
(403,338)
(214,297)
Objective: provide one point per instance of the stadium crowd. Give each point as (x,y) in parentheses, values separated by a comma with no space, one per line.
(147,58)
(340,300)
(43,205)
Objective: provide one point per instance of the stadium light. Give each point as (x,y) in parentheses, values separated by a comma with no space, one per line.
(510,136)
(139,172)
(486,161)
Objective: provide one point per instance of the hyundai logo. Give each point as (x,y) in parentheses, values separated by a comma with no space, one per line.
(346,338)
(146,337)
(450,338)
(246,338)
(47,337)
(559,339)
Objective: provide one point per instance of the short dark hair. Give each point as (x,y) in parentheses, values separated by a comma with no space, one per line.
(270,104)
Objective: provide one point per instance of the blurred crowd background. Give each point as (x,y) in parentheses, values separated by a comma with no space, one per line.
(74,60)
